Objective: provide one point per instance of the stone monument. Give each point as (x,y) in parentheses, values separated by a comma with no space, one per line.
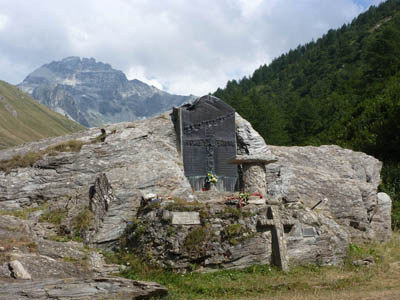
(207,141)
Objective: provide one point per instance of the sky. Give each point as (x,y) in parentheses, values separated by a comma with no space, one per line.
(180,46)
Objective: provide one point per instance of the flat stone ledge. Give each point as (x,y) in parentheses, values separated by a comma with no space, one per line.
(256,201)
(257,158)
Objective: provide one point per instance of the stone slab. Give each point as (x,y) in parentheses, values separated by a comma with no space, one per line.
(256,201)
(208,141)
(185,218)
(309,232)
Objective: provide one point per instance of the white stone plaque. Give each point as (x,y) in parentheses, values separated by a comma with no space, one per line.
(185,218)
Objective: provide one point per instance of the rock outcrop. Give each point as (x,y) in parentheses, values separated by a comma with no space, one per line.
(90,289)
(343,181)
(35,266)
(93,93)
(130,191)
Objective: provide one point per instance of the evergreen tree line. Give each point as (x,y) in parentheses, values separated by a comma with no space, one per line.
(342,89)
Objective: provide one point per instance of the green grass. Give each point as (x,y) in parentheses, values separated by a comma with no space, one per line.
(82,222)
(196,241)
(183,205)
(16,161)
(223,284)
(23,213)
(23,119)
(54,216)
(266,282)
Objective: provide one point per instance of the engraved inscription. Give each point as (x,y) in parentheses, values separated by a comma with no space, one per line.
(208,123)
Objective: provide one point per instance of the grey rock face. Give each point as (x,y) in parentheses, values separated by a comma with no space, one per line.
(230,237)
(33,266)
(93,93)
(251,146)
(343,180)
(91,289)
(137,159)
(381,217)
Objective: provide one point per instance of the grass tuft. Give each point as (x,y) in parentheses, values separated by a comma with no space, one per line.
(69,146)
(19,161)
(22,213)
(180,204)
(30,158)
(54,216)
(82,222)
(196,241)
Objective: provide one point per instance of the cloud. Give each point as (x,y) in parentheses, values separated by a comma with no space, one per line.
(185,47)
(138,72)
(3,22)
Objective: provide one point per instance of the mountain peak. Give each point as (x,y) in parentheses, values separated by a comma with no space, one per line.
(75,64)
(93,93)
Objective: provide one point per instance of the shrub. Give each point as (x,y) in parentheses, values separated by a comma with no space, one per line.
(133,233)
(54,216)
(391,185)
(82,222)
(196,241)
(236,233)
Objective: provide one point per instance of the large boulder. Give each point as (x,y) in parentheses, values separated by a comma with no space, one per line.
(343,182)
(322,198)
(136,157)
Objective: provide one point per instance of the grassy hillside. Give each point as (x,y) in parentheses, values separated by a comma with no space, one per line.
(23,119)
(342,89)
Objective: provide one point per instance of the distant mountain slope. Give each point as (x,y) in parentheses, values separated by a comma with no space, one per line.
(342,89)
(93,93)
(23,119)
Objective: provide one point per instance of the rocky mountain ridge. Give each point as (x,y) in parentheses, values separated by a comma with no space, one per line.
(93,93)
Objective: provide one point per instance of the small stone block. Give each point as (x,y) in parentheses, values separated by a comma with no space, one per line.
(273,202)
(308,232)
(256,200)
(18,271)
(166,215)
(185,218)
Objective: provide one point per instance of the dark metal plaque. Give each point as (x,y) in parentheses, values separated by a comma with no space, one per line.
(208,141)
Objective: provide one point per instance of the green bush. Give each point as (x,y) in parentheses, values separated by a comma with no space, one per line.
(82,222)
(133,233)
(196,241)
(54,216)
(391,185)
